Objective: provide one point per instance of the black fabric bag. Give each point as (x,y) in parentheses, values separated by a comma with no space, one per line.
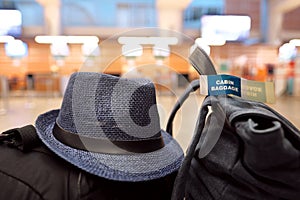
(29,170)
(241,149)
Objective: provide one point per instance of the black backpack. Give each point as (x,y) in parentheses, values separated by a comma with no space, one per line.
(29,170)
(241,150)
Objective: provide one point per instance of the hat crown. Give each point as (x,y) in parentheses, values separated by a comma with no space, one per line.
(104,106)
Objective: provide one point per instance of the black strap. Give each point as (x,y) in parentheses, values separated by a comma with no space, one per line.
(24,138)
(193,86)
(203,65)
(182,176)
(201,62)
(105,145)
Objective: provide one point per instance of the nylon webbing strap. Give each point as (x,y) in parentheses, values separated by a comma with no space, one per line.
(24,138)
(201,62)
(203,65)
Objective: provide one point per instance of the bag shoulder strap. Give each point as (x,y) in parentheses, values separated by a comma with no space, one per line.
(203,65)
(24,138)
(193,86)
(182,176)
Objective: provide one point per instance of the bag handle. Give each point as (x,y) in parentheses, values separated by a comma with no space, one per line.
(202,62)
(203,65)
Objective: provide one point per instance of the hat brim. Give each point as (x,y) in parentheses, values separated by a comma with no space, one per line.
(132,167)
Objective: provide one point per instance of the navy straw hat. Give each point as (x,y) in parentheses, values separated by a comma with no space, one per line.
(109,127)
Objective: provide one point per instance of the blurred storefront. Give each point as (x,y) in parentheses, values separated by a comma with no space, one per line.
(255,57)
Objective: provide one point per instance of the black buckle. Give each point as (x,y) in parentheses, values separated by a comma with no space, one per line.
(8,136)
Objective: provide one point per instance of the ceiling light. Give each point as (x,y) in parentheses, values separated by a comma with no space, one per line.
(6,38)
(295,42)
(48,39)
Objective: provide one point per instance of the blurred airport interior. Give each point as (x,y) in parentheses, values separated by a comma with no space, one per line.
(43,41)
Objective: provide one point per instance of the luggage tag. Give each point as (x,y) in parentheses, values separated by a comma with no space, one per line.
(213,84)
(231,85)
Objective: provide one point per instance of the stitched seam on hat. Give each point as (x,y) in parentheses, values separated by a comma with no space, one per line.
(24,183)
